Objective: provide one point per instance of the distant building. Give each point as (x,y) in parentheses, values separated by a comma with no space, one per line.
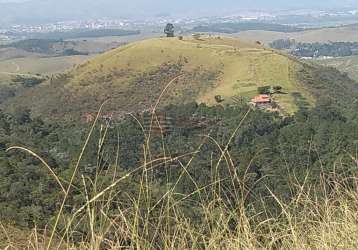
(262,101)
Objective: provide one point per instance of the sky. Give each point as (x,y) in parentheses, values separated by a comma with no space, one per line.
(236,3)
(12,1)
(23,11)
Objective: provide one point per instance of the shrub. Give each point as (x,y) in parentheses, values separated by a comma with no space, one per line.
(265,90)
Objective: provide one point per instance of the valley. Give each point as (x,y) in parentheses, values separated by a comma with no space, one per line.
(181,140)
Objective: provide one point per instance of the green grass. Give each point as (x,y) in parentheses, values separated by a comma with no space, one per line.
(237,61)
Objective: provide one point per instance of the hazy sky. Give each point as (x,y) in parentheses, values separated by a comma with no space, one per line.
(236,3)
(12,1)
(12,11)
(172,5)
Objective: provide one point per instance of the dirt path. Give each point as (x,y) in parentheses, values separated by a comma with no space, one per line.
(17,66)
(17,69)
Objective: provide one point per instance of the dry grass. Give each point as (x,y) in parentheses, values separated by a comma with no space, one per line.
(244,67)
(305,223)
(41,65)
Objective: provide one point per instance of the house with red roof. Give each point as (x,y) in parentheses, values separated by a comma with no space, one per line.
(263,101)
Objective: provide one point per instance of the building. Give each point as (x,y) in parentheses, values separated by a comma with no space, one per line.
(262,101)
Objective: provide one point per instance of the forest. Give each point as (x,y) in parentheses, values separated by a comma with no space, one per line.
(232,27)
(75,34)
(265,148)
(332,49)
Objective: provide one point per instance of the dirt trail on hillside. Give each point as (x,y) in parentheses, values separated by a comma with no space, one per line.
(17,66)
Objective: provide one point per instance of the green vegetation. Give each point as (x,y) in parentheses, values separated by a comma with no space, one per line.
(283,44)
(231,28)
(28,81)
(265,90)
(205,68)
(330,84)
(189,175)
(45,46)
(81,33)
(348,65)
(12,84)
(333,49)
(217,164)
(169,30)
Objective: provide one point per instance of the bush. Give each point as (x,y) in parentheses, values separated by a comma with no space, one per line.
(219,99)
(265,90)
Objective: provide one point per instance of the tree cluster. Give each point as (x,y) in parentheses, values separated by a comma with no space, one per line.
(333,49)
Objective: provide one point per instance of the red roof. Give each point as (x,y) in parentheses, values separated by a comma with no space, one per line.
(261,99)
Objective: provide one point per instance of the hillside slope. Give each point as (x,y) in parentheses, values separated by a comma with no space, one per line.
(348,64)
(133,77)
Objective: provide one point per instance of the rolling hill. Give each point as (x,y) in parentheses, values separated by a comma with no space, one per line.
(12,84)
(133,77)
(41,65)
(346,33)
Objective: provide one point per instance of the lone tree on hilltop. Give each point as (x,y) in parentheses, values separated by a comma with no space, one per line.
(169,30)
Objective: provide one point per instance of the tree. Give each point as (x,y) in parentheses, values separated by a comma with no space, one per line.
(22,115)
(169,30)
(219,99)
(277,88)
(265,90)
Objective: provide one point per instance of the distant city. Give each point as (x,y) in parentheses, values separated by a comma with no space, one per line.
(303,18)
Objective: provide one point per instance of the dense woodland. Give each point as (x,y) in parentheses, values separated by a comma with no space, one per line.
(48,47)
(78,33)
(231,28)
(333,49)
(266,147)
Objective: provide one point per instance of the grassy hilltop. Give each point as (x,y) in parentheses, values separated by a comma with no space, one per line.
(231,68)
(133,76)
